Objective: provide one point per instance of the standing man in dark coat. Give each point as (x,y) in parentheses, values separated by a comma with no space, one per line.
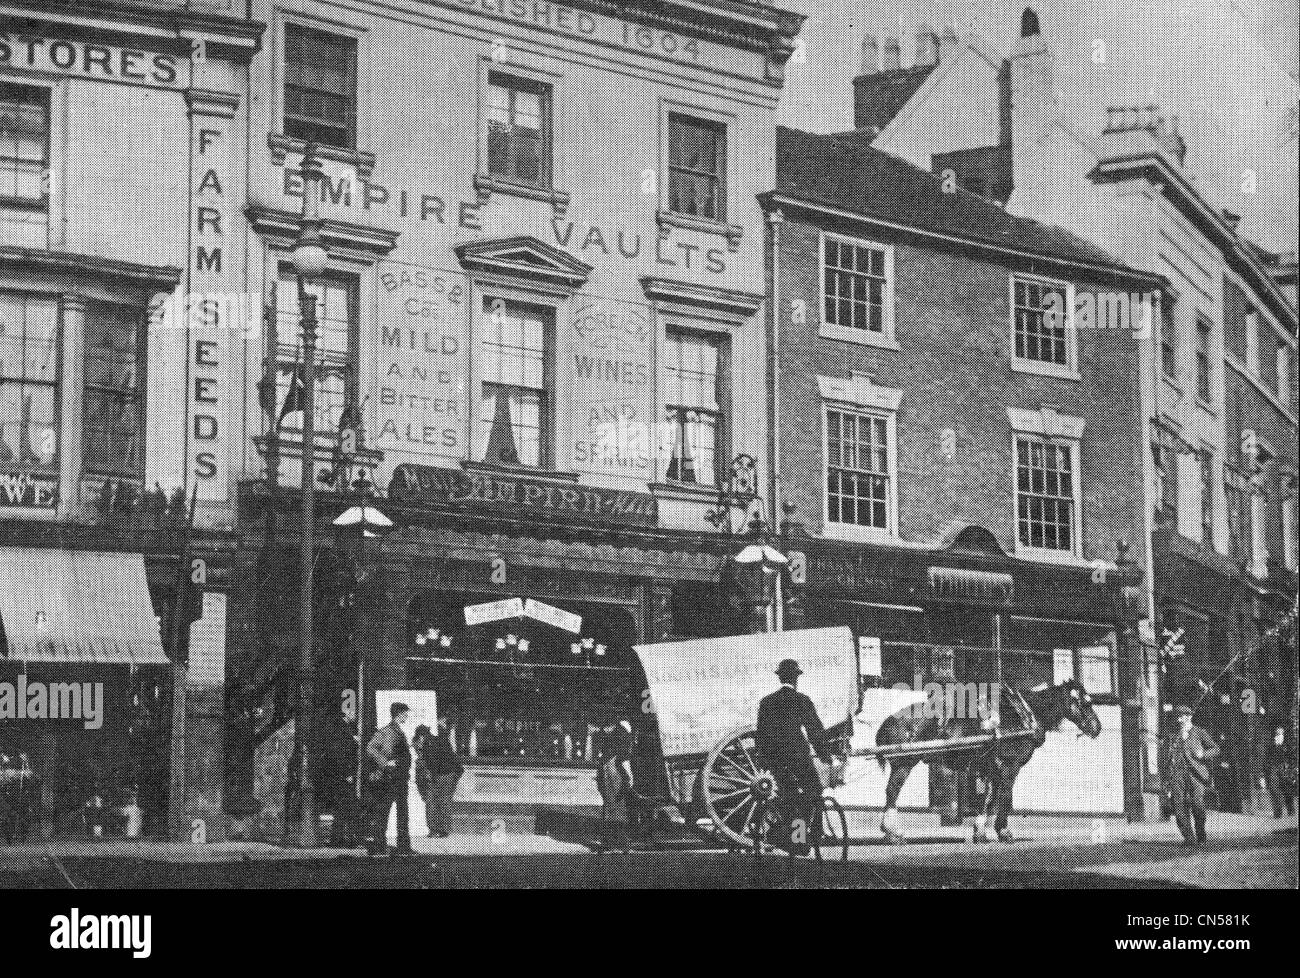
(390,755)
(437,772)
(1280,773)
(1188,753)
(787,726)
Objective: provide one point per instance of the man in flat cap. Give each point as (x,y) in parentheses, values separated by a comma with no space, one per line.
(787,726)
(1187,753)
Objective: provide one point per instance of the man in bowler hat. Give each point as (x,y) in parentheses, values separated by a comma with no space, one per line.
(787,725)
(1188,753)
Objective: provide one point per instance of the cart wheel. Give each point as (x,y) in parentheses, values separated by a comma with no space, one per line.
(733,783)
(832,842)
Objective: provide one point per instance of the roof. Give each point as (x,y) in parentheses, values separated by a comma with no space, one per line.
(880,96)
(848,175)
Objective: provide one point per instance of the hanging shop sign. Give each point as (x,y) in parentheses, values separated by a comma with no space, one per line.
(550,615)
(481,614)
(522,495)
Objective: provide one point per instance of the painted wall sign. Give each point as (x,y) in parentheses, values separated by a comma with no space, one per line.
(34,489)
(420,402)
(209,345)
(610,349)
(102,62)
(208,644)
(522,495)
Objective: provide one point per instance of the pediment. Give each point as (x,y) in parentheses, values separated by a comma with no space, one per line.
(524,257)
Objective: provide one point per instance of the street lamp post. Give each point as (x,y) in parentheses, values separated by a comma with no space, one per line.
(310,260)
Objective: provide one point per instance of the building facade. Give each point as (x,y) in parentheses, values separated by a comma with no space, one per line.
(1217,371)
(965,466)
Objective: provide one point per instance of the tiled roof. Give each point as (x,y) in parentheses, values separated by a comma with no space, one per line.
(848,175)
(880,96)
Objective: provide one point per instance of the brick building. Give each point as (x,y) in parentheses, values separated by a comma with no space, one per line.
(1219,505)
(963,469)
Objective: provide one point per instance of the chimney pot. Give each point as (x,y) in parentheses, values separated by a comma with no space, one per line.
(891,55)
(870,55)
(1029,23)
(1232,218)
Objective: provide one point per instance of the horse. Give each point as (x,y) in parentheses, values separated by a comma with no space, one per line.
(998,764)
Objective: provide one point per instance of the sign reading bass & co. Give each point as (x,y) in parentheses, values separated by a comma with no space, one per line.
(511,493)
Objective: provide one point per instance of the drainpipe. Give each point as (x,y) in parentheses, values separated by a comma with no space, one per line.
(774,221)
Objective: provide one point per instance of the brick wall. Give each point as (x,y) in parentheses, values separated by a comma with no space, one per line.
(952,316)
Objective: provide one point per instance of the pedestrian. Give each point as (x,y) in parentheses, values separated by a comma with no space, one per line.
(437,771)
(389,780)
(1280,773)
(1187,754)
(616,784)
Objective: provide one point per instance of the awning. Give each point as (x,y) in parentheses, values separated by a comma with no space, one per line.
(75,606)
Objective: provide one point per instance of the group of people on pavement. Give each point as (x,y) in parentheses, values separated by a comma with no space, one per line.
(392,757)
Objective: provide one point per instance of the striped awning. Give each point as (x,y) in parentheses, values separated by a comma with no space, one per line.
(75,606)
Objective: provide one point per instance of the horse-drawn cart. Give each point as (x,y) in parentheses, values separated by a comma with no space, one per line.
(704,695)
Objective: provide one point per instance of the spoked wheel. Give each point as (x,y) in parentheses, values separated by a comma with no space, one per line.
(736,787)
(832,842)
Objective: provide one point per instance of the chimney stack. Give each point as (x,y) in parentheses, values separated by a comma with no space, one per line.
(948,43)
(870,55)
(927,46)
(1033,104)
(891,55)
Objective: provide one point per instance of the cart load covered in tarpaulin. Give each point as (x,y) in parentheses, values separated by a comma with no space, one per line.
(704,689)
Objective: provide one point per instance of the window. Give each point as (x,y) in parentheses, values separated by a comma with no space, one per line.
(1207,498)
(1258,541)
(1284,375)
(320,87)
(1169,342)
(697,166)
(1045,494)
(24,146)
(114,424)
(1166,465)
(29,380)
(336,351)
(519,130)
(856,287)
(693,399)
(1252,342)
(1042,323)
(1097,669)
(1238,519)
(1203,389)
(514,406)
(859,469)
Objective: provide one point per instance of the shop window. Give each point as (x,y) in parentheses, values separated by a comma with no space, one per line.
(515,400)
(860,469)
(522,690)
(1046,494)
(694,370)
(336,351)
(114,422)
(519,130)
(1203,367)
(697,166)
(1042,325)
(857,286)
(24,146)
(320,87)
(29,380)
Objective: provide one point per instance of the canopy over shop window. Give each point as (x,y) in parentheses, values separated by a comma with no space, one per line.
(74,606)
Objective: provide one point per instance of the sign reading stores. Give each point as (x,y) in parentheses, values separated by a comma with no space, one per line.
(98,61)
(37,700)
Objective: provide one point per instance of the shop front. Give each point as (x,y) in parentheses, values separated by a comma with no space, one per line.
(85,695)
(971,614)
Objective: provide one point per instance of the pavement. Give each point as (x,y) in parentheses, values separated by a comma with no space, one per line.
(1243,851)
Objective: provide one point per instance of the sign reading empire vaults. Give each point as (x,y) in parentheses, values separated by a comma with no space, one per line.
(522,495)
